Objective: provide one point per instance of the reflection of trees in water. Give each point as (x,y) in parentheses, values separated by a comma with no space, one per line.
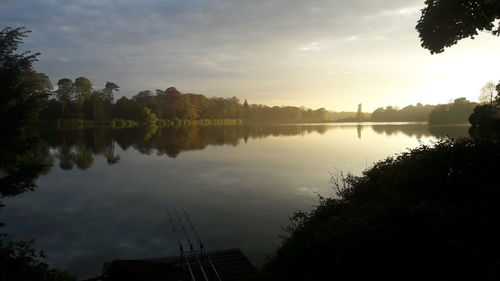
(454,132)
(422,130)
(23,158)
(414,130)
(77,148)
(171,141)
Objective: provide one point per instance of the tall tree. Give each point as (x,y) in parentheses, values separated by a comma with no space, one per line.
(83,88)
(108,91)
(83,91)
(497,88)
(444,22)
(457,112)
(488,92)
(186,109)
(65,93)
(246,109)
(23,91)
(159,103)
(95,107)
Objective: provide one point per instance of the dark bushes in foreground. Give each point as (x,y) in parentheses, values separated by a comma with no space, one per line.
(21,262)
(428,214)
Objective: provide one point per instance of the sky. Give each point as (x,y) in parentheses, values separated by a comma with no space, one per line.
(317,53)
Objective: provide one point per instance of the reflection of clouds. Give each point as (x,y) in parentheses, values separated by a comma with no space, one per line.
(221,177)
(304,190)
(70,209)
(126,245)
(421,130)
(236,196)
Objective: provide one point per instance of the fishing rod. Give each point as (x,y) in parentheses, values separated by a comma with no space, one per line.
(180,246)
(192,228)
(190,244)
(201,243)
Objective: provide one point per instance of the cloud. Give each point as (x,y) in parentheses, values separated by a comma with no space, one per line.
(216,47)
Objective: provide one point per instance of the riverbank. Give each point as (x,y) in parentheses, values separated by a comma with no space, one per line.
(426,214)
(122,124)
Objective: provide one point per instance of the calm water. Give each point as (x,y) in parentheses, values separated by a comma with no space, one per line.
(106,194)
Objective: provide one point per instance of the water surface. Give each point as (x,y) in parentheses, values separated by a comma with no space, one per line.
(106,192)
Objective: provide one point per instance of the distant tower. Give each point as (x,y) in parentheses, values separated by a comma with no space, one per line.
(246,109)
(359,115)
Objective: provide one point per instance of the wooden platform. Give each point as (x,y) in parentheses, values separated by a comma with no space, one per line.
(230,264)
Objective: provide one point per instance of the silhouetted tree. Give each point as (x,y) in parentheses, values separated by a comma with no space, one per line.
(95,107)
(83,88)
(127,109)
(457,112)
(23,91)
(427,214)
(410,113)
(497,88)
(108,91)
(23,157)
(65,93)
(488,92)
(83,91)
(444,22)
(246,109)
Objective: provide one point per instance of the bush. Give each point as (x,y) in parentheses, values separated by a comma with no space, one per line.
(19,261)
(429,213)
(485,121)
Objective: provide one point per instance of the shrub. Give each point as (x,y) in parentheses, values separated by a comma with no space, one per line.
(429,213)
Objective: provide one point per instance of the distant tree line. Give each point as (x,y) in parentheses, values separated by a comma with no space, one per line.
(77,148)
(411,113)
(78,100)
(485,119)
(457,112)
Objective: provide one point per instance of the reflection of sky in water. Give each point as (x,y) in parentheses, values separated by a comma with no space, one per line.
(237,196)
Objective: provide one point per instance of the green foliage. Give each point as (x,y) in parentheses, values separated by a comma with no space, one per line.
(128,109)
(65,93)
(19,261)
(86,124)
(96,107)
(457,112)
(444,22)
(149,117)
(427,214)
(120,123)
(83,90)
(23,91)
(169,105)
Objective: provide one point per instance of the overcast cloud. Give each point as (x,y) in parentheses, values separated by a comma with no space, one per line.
(315,53)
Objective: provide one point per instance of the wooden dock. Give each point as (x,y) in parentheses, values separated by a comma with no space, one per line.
(223,265)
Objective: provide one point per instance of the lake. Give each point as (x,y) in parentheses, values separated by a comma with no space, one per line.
(105,193)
